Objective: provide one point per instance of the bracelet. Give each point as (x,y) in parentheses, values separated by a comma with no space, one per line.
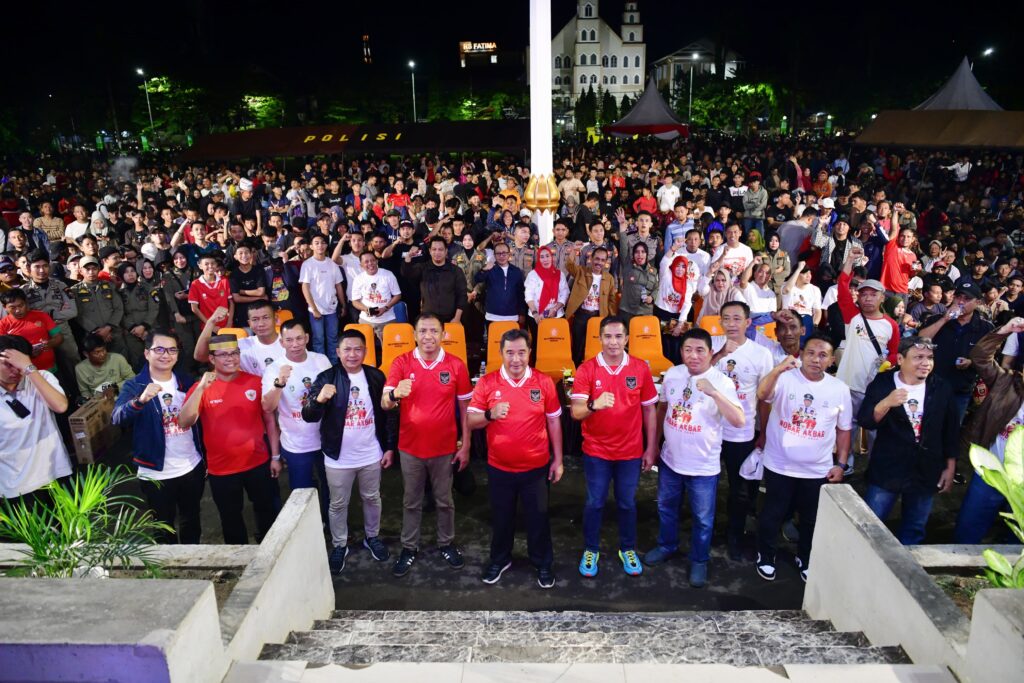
(391,395)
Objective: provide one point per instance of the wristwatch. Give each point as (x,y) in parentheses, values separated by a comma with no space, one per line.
(391,395)
(277,384)
(29,369)
(590,406)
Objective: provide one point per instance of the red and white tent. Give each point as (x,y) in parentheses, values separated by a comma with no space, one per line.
(649,116)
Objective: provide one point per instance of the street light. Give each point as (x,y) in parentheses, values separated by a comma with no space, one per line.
(149,107)
(412,66)
(689,109)
(988,51)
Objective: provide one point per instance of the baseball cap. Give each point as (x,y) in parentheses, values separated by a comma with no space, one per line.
(107,252)
(828,203)
(394,212)
(6,262)
(871,284)
(86,261)
(969,289)
(405,223)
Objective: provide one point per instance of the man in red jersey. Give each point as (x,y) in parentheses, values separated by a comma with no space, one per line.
(613,395)
(520,409)
(428,386)
(35,326)
(229,402)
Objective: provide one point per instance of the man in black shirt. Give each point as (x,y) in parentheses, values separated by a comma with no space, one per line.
(248,283)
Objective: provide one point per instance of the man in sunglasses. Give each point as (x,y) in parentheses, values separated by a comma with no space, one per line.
(917,434)
(169,456)
(30,443)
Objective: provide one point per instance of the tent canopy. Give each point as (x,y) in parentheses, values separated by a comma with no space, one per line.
(511,136)
(961,91)
(649,116)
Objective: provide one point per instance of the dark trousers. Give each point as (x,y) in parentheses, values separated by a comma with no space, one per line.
(742,492)
(177,499)
(227,492)
(780,492)
(579,334)
(670,346)
(507,490)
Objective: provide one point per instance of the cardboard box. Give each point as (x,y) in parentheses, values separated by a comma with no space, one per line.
(91,430)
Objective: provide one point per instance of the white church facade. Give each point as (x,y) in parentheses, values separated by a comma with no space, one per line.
(588,52)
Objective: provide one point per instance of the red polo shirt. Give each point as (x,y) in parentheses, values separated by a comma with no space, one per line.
(210,296)
(233,427)
(615,433)
(427,422)
(35,327)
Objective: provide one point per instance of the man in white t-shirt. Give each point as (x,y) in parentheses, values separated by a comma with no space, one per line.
(668,194)
(810,416)
(733,256)
(746,364)
(697,402)
(286,389)
(358,438)
(172,473)
(31,448)
(259,350)
(375,293)
(322,287)
(79,227)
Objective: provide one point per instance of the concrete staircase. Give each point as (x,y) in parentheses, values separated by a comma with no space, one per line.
(752,638)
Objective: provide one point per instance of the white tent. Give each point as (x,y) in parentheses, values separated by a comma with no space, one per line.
(961,91)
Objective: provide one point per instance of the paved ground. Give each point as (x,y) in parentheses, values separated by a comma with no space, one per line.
(366,584)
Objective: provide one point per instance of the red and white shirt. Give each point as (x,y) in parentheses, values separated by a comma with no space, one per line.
(210,296)
(615,433)
(232,418)
(519,442)
(427,421)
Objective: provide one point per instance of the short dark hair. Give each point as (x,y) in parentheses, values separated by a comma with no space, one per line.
(161,332)
(427,315)
(92,342)
(12,295)
(292,324)
(739,304)
(38,255)
(349,334)
(817,336)
(437,238)
(612,320)
(257,305)
(511,336)
(10,341)
(698,334)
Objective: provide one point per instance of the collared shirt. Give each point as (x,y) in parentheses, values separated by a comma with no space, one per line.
(32,453)
(615,433)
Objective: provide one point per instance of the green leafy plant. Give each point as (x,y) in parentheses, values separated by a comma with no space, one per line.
(86,525)
(1007,477)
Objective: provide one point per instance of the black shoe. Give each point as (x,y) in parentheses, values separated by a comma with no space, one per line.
(453,556)
(336,560)
(493,573)
(959,479)
(545,577)
(378,550)
(765,569)
(734,549)
(404,562)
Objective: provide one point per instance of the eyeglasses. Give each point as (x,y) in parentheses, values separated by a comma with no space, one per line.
(923,346)
(163,351)
(226,354)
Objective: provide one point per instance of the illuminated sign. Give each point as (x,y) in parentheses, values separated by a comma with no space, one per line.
(467,47)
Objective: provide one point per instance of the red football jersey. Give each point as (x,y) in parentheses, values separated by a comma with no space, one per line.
(519,442)
(428,425)
(615,433)
(36,327)
(209,297)
(232,419)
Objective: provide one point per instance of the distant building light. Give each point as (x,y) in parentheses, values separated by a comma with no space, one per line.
(874,116)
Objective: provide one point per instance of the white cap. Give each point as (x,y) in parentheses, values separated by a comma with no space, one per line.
(828,203)
(245,185)
(915,283)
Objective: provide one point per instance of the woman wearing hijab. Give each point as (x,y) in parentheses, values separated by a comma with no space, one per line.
(470,258)
(639,285)
(717,289)
(546,289)
(778,260)
(140,313)
(676,287)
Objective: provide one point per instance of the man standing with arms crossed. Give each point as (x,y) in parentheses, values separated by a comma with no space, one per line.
(429,386)
(746,364)
(696,402)
(520,409)
(229,403)
(614,397)
(810,416)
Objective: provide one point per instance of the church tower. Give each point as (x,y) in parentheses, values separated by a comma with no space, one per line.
(632,29)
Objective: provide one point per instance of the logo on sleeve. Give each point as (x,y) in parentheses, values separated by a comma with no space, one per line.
(631,382)
(535,395)
(250,394)
(445,377)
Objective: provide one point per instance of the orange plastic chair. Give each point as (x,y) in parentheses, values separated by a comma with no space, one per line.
(593,346)
(768,330)
(454,341)
(282,315)
(554,350)
(494,332)
(237,331)
(713,324)
(645,343)
(398,338)
(371,347)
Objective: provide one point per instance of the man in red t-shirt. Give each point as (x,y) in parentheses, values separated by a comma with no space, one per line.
(615,398)
(521,411)
(429,387)
(899,262)
(34,326)
(229,402)
(210,291)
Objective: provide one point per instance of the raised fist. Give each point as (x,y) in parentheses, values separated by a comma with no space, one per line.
(326,393)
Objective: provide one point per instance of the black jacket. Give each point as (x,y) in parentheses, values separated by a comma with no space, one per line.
(332,420)
(898,461)
(442,288)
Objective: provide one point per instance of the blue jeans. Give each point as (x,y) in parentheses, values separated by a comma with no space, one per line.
(325,326)
(702,493)
(753,223)
(962,401)
(599,473)
(301,469)
(980,509)
(914,513)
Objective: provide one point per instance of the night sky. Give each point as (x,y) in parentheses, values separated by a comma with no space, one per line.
(897,52)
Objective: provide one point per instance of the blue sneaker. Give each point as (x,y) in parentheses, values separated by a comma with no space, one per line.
(631,563)
(588,564)
(698,574)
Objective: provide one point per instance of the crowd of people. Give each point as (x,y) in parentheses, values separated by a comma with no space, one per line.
(816,308)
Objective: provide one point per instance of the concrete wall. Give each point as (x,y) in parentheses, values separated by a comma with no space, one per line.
(286,586)
(863,579)
(995,652)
